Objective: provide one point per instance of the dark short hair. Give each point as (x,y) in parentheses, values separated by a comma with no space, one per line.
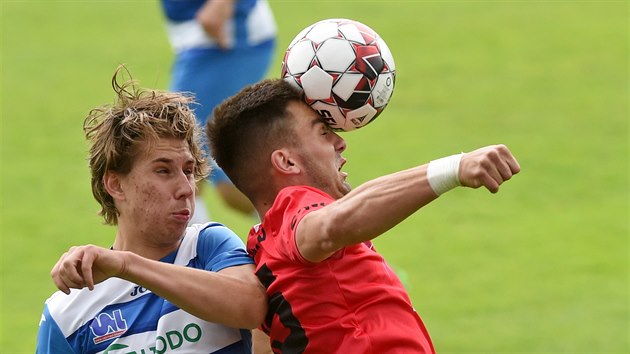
(248,126)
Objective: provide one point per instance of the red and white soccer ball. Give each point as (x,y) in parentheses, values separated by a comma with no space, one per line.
(346,70)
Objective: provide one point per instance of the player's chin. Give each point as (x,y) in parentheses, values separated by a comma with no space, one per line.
(345,187)
(177,226)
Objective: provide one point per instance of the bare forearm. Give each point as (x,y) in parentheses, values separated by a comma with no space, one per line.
(214,297)
(365,213)
(378,205)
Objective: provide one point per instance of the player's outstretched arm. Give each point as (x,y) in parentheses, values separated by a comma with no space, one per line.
(233,296)
(378,205)
(488,167)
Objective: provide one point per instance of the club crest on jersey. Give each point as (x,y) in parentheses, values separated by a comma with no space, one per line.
(108,325)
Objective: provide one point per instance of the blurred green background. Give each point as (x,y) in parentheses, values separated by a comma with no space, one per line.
(540,267)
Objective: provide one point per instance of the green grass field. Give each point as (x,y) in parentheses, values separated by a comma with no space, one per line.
(541,267)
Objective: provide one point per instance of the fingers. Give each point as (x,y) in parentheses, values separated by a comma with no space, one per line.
(491,183)
(54,273)
(74,269)
(65,273)
(503,169)
(220,36)
(223,39)
(489,167)
(514,166)
(498,168)
(86,269)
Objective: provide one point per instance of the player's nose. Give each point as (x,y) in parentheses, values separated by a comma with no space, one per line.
(340,143)
(185,187)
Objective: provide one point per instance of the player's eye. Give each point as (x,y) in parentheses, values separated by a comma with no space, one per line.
(326,130)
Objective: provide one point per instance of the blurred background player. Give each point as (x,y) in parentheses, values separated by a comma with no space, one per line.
(220,47)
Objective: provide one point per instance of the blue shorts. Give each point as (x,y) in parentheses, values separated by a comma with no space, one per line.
(213,75)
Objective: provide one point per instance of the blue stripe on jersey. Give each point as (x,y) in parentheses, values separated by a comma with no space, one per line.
(184,10)
(219,252)
(50,338)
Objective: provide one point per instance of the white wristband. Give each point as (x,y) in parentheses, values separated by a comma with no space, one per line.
(443,174)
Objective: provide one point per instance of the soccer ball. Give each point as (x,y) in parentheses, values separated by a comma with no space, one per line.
(345,69)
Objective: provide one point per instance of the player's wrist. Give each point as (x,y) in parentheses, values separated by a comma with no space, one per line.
(443,174)
(127,265)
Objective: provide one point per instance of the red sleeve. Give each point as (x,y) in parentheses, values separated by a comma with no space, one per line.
(290,207)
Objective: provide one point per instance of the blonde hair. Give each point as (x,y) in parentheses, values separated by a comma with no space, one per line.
(136,118)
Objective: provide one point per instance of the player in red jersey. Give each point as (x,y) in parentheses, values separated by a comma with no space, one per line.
(329,290)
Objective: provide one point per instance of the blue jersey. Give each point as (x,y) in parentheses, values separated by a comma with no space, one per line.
(251,25)
(121,317)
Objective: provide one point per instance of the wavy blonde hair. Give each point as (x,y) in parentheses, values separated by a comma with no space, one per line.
(138,117)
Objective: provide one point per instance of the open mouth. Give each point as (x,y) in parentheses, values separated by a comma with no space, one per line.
(343,174)
(343,162)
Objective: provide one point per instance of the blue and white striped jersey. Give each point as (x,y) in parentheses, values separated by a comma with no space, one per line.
(252,24)
(121,317)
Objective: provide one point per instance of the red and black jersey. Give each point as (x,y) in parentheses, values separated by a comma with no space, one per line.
(351,302)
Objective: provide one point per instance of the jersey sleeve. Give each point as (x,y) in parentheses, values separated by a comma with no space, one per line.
(290,207)
(219,247)
(50,339)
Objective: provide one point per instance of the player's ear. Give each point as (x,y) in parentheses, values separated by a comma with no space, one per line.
(283,162)
(111,182)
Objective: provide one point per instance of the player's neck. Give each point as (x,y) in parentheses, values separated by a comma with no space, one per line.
(143,245)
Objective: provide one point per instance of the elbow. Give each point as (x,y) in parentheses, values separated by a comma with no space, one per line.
(334,232)
(319,235)
(256,309)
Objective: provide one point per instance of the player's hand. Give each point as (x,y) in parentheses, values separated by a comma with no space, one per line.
(214,17)
(85,266)
(487,167)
